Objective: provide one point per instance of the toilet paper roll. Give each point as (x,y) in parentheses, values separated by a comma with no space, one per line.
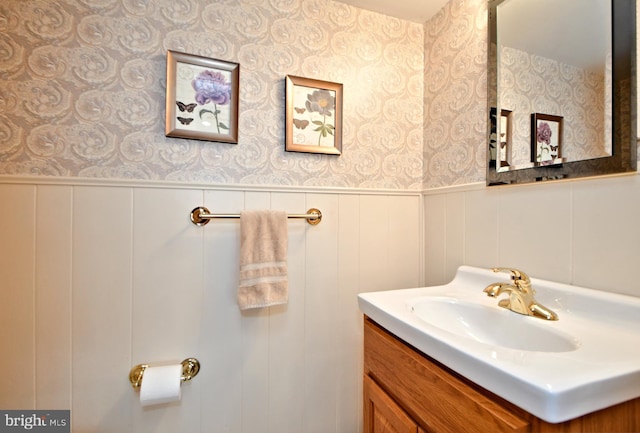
(161,384)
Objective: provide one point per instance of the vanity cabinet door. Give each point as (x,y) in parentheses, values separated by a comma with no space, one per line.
(438,400)
(382,414)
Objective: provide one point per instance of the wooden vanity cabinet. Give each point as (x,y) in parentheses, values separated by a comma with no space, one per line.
(405,391)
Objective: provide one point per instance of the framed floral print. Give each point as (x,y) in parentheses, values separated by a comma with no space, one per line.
(313,121)
(202,98)
(546,139)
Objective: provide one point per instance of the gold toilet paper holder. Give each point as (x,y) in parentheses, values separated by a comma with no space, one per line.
(190,368)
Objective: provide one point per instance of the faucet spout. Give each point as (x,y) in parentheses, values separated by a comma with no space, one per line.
(496,289)
(520,298)
(543,312)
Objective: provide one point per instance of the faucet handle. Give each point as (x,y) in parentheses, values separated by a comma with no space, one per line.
(520,279)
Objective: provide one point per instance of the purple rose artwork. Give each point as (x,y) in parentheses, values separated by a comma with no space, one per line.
(212,87)
(544,133)
(547,136)
(202,98)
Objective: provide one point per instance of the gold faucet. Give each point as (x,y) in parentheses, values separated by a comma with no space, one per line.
(520,295)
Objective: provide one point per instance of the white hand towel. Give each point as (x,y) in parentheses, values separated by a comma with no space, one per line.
(263,259)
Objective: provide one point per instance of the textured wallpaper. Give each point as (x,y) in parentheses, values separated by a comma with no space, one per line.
(455,108)
(534,84)
(82,90)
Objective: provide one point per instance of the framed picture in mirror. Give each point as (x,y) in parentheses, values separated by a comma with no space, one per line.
(504,142)
(546,139)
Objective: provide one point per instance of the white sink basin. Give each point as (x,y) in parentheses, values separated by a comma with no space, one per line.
(486,325)
(587,360)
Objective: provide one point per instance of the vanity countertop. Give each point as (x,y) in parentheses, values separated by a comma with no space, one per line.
(557,370)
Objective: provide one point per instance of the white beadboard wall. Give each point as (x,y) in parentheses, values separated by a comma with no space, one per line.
(583,232)
(98,277)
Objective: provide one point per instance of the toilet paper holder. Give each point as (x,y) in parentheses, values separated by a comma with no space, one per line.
(190,368)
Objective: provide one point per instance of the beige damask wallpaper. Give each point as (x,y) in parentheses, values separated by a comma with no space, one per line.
(82,87)
(455,107)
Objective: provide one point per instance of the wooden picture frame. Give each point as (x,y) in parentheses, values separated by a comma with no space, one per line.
(546,139)
(202,98)
(313,116)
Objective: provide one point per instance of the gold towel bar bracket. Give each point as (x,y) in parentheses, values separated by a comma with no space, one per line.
(190,368)
(201,216)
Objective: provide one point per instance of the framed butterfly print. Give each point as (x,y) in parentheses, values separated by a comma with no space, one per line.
(546,139)
(313,120)
(202,98)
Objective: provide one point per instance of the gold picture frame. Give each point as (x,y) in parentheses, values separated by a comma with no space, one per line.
(313,120)
(202,98)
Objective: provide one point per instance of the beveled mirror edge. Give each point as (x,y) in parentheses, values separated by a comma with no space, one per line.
(624,147)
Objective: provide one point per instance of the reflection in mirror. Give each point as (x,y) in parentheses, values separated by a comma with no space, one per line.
(564,91)
(557,67)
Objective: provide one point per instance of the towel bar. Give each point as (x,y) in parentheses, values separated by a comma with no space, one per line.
(200,216)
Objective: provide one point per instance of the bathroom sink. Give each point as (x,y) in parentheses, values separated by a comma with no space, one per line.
(486,325)
(557,370)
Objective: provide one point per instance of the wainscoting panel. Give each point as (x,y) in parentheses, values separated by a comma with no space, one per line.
(221,350)
(17,290)
(101,308)
(583,232)
(167,296)
(98,277)
(53,296)
(606,233)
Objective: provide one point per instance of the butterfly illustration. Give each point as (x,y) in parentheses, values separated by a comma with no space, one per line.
(300,124)
(299,110)
(185,120)
(554,147)
(186,107)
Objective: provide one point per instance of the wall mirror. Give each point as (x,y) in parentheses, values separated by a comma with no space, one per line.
(561,89)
